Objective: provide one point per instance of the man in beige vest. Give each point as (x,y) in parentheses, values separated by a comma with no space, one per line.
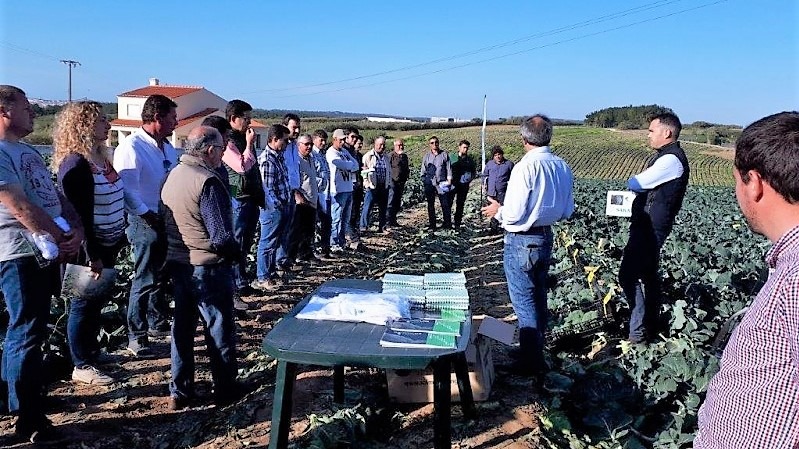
(201,248)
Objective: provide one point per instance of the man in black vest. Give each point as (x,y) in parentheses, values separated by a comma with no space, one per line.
(660,190)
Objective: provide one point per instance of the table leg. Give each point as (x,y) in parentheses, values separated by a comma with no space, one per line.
(441,399)
(464,386)
(281,405)
(338,384)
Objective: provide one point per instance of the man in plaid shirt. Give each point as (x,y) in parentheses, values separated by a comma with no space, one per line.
(275,215)
(753,401)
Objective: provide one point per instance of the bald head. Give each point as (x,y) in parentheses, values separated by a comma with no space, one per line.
(536,130)
(380,144)
(399,145)
(206,143)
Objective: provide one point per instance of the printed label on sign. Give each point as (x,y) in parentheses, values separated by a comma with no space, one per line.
(619,203)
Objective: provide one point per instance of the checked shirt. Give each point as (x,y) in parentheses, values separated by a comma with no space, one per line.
(275,178)
(753,401)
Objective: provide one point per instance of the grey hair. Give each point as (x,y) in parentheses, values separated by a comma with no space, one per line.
(537,130)
(305,136)
(9,95)
(196,146)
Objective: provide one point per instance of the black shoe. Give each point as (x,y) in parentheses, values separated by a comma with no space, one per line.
(240,305)
(159,333)
(41,432)
(248,291)
(176,403)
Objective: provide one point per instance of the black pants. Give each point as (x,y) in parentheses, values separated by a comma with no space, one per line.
(395,193)
(302,232)
(430,193)
(639,278)
(458,196)
(355,216)
(494,224)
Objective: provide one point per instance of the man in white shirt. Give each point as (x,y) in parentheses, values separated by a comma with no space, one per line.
(539,194)
(143,160)
(660,190)
(342,171)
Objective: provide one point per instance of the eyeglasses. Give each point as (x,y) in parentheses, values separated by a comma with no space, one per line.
(306,143)
(433,142)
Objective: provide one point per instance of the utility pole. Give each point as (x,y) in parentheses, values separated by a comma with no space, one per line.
(71,64)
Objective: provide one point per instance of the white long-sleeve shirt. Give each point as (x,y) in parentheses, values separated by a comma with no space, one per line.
(664,169)
(143,168)
(342,170)
(539,192)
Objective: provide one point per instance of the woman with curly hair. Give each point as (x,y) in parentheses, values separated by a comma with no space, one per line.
(87,177)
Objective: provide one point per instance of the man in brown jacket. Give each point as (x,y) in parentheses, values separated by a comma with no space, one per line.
(201,248)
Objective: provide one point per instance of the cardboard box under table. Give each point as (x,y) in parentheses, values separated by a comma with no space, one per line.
(338,344)
(417,386)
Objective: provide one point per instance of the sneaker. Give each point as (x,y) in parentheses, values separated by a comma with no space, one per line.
(336,249)
(266,284)
(139,349)
(91,376)
(240,305)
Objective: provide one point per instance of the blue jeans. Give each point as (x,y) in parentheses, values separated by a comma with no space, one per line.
(245,220)
(323,222)
(83,323)
(273,227)
(640,281)
(395,192)
(27,290)
(340,211)
(205,291)
(526,261)
(371,197)
(147,306)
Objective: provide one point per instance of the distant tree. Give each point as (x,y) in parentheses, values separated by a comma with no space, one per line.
(628,117)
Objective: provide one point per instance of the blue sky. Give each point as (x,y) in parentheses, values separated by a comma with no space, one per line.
(731,61)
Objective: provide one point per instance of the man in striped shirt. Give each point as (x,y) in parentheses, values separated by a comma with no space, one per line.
(753,401)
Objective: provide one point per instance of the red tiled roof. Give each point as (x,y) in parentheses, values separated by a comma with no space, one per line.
(182,122)
(256,124)
(168,91)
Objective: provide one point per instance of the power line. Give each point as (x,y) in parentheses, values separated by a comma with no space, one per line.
(446,69)
(555,31)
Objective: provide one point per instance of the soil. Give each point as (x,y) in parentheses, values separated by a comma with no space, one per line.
(132,413)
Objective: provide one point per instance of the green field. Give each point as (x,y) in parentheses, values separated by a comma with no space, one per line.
(593,153)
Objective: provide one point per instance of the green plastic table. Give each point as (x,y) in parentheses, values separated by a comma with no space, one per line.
(338,344)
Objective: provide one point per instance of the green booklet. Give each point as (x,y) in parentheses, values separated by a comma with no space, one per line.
(404,339)
(444,327)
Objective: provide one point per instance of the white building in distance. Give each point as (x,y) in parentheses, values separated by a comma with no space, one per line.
(389,120)
(447,120)
(195,103)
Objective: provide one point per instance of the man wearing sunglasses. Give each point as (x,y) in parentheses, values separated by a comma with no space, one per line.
(436,173)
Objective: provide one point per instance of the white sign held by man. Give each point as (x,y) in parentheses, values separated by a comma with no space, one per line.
(619,203)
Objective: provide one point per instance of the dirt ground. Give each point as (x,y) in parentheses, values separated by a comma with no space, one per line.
(132,413)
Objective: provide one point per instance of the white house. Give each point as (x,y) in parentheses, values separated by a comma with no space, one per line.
(195,103)
(389,120)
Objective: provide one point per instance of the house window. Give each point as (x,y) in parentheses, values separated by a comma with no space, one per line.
(134,110)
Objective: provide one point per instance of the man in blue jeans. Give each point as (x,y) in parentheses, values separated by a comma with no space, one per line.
(539,194)
(200,249)
(275,217)
(143,159)
(29,203)
(342,173)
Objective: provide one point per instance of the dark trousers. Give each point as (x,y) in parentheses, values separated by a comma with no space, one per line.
(282,254)
(83,323)
(639,278)
(458,196)
(323,222)
(147,306)
(27,290)
(430,193)
(494,224)
(301,235)
(355,213)
(245,221)
(395,192)
(203,291)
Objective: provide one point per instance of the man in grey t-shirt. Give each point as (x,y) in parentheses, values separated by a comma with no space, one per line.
(29,202)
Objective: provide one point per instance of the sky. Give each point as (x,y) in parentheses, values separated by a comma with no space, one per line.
(721,61)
